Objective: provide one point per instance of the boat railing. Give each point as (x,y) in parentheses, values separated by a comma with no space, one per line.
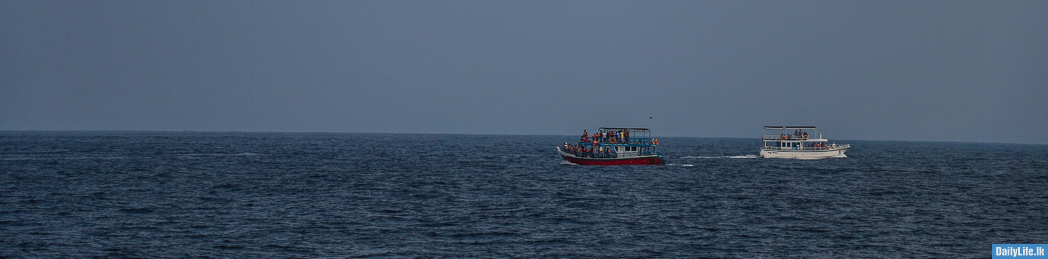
(783,137)
(598,154)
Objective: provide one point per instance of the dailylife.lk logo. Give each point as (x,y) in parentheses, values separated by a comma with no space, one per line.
(1019,251)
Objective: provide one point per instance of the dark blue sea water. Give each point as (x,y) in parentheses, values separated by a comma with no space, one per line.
(266,195)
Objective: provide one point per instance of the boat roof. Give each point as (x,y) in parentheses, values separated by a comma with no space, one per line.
(621,128)
(789,127)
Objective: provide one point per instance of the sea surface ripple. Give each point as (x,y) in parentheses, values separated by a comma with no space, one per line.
(191,194)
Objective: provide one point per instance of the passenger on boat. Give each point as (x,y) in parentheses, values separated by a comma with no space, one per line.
(626,136)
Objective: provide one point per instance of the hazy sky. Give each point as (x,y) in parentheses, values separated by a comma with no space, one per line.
(877,70)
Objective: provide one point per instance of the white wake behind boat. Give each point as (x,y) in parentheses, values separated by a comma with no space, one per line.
(797,144)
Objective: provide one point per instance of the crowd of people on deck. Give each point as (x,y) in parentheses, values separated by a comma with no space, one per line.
(617,136)
(797,134)
(800,135)
(589,151)
(597,150)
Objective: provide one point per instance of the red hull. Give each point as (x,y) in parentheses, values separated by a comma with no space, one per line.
(649,160)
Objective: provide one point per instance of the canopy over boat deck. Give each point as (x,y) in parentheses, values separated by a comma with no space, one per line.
(788,127)
(623,128)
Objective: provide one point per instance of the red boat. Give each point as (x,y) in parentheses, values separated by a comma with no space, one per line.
(614,146)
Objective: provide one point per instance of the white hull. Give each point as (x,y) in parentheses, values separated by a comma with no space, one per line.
(804,154)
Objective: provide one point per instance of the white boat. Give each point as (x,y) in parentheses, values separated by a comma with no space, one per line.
(793,142)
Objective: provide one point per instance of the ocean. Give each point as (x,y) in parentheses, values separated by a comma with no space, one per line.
(321,195)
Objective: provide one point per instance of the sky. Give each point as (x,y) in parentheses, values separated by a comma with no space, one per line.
(970,71)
